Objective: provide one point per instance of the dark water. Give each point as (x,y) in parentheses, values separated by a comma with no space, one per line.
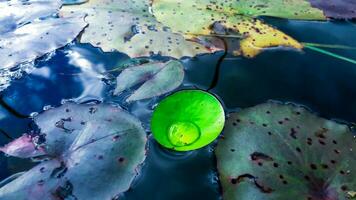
(324,84)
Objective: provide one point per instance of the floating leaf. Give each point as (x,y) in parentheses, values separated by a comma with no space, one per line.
(197,18)
(31,31)
(90,148)
(275,151)
(20,12)
(351,194)
(22,147)
(10,178)
(159,78)
(187,120)
(72,2)
(339,9)
(128,26)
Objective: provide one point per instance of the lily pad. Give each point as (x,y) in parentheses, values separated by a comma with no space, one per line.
(196,18)
(159,78)
(73,2)
(89,148)
(22,147)
(20,12)
(187,120)
(338,9)
(276,151)
(31,30)
(129,27)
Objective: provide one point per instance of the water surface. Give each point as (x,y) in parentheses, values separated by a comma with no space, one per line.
(324,84)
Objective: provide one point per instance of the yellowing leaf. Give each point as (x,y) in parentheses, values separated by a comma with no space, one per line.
(259,36)
(197,18)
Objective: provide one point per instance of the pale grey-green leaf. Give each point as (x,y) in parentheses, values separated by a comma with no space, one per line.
(157,78)
(129,27)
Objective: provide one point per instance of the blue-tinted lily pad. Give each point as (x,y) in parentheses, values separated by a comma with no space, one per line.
(31,29)
(89,148)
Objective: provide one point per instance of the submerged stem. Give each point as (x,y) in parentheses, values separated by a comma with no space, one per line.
(331,46)
(218,67)
(10,109)
(330,54)
(6,134)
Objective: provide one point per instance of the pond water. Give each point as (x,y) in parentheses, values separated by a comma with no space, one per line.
(77,72)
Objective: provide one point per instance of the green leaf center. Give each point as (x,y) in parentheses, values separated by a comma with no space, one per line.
(183,133)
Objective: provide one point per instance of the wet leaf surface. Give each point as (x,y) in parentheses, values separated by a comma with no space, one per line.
(29,30)
(275,151)
(22,147)
(157,78)
(128,26)
(88,146)
(32,30)
(48,87)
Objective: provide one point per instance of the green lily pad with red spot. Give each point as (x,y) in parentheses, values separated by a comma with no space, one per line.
(277,152)
(88,148)
(338,9)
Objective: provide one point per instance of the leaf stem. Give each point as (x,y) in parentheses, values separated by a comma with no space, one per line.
(6,134)
(331,46)
(218,66)
(322,51)
(10,109)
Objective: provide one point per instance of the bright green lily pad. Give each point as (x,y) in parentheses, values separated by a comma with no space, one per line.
(187,120)
(93,152)
(278,152)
